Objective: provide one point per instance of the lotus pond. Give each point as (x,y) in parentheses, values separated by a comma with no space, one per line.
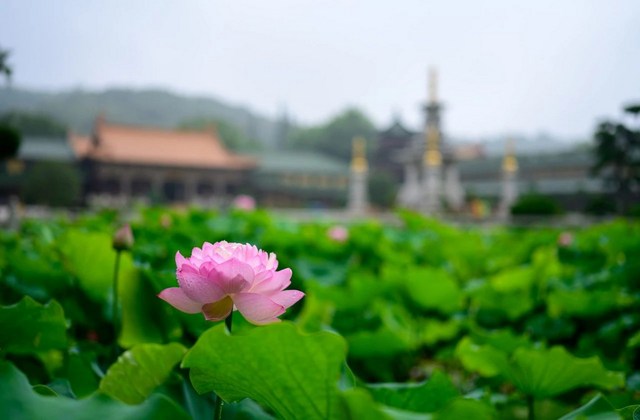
(417,320)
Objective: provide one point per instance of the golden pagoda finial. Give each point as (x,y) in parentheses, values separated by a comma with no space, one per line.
(509,163)
(432,155)
(359,158)
(433,85)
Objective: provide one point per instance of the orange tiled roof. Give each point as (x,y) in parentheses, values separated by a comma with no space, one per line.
(151,146)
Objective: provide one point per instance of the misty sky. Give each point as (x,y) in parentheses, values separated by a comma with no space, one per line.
(504,66)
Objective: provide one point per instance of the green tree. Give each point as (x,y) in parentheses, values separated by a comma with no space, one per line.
(334,138)
(9,141)
(536,205)
(9,136)
(232,137)
(382,189)
(617,158)
(33,124)
(4,64)
(52,183)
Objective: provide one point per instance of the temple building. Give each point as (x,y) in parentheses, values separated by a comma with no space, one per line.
(564,176)
(431,180)
(124,162)
(299,179)
(396,137)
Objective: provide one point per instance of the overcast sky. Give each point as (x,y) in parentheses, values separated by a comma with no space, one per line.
(505,66)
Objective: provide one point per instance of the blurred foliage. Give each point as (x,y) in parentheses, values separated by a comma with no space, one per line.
(5,68)
(382,189)
(536,205)
(335,136)
(55,184)
(617,159)
(34,124)
(10,139)
(232,137)
(600,205)
(418,319)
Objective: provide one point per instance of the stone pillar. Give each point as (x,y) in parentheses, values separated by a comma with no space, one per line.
(431,189)
(358,182)
(453,191)
(509,194)
(509,182)
(432,181)
(409,195)
(358,199)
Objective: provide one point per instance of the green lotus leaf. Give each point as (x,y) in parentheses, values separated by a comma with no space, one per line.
(139,371)
(19,401)
(546,373)
(599,408)
(463,408)
(293,373)
(90,256)
(425,397)
(433,288)
(483,359)
(29,327)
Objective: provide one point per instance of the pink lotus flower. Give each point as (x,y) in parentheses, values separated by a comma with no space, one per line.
(338,233)
(565,239)
(244,202)
(226,276)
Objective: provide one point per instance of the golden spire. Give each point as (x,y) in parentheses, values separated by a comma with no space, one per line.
(509,163)
(359,158)
(433,85)
(432,155)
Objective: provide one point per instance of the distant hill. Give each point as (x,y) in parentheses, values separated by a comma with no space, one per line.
(156,108)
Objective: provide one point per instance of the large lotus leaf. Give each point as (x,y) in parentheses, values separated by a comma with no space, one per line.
(316,313)
(360,290)
(463,408)
(504,340)
(80,374)
(384,341)
(546,373)
(358,404)
(35,273)
(433,331)
(586,303)
(30,327)
(634,341)
(513,304)
(598,408)
(139,371)
(91,258)
(483,359)
(425,397)
(327,273)
(19,401)
(433,288)
(396,334)
(293,373)
(147,320)
(546,264)
(513,279)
